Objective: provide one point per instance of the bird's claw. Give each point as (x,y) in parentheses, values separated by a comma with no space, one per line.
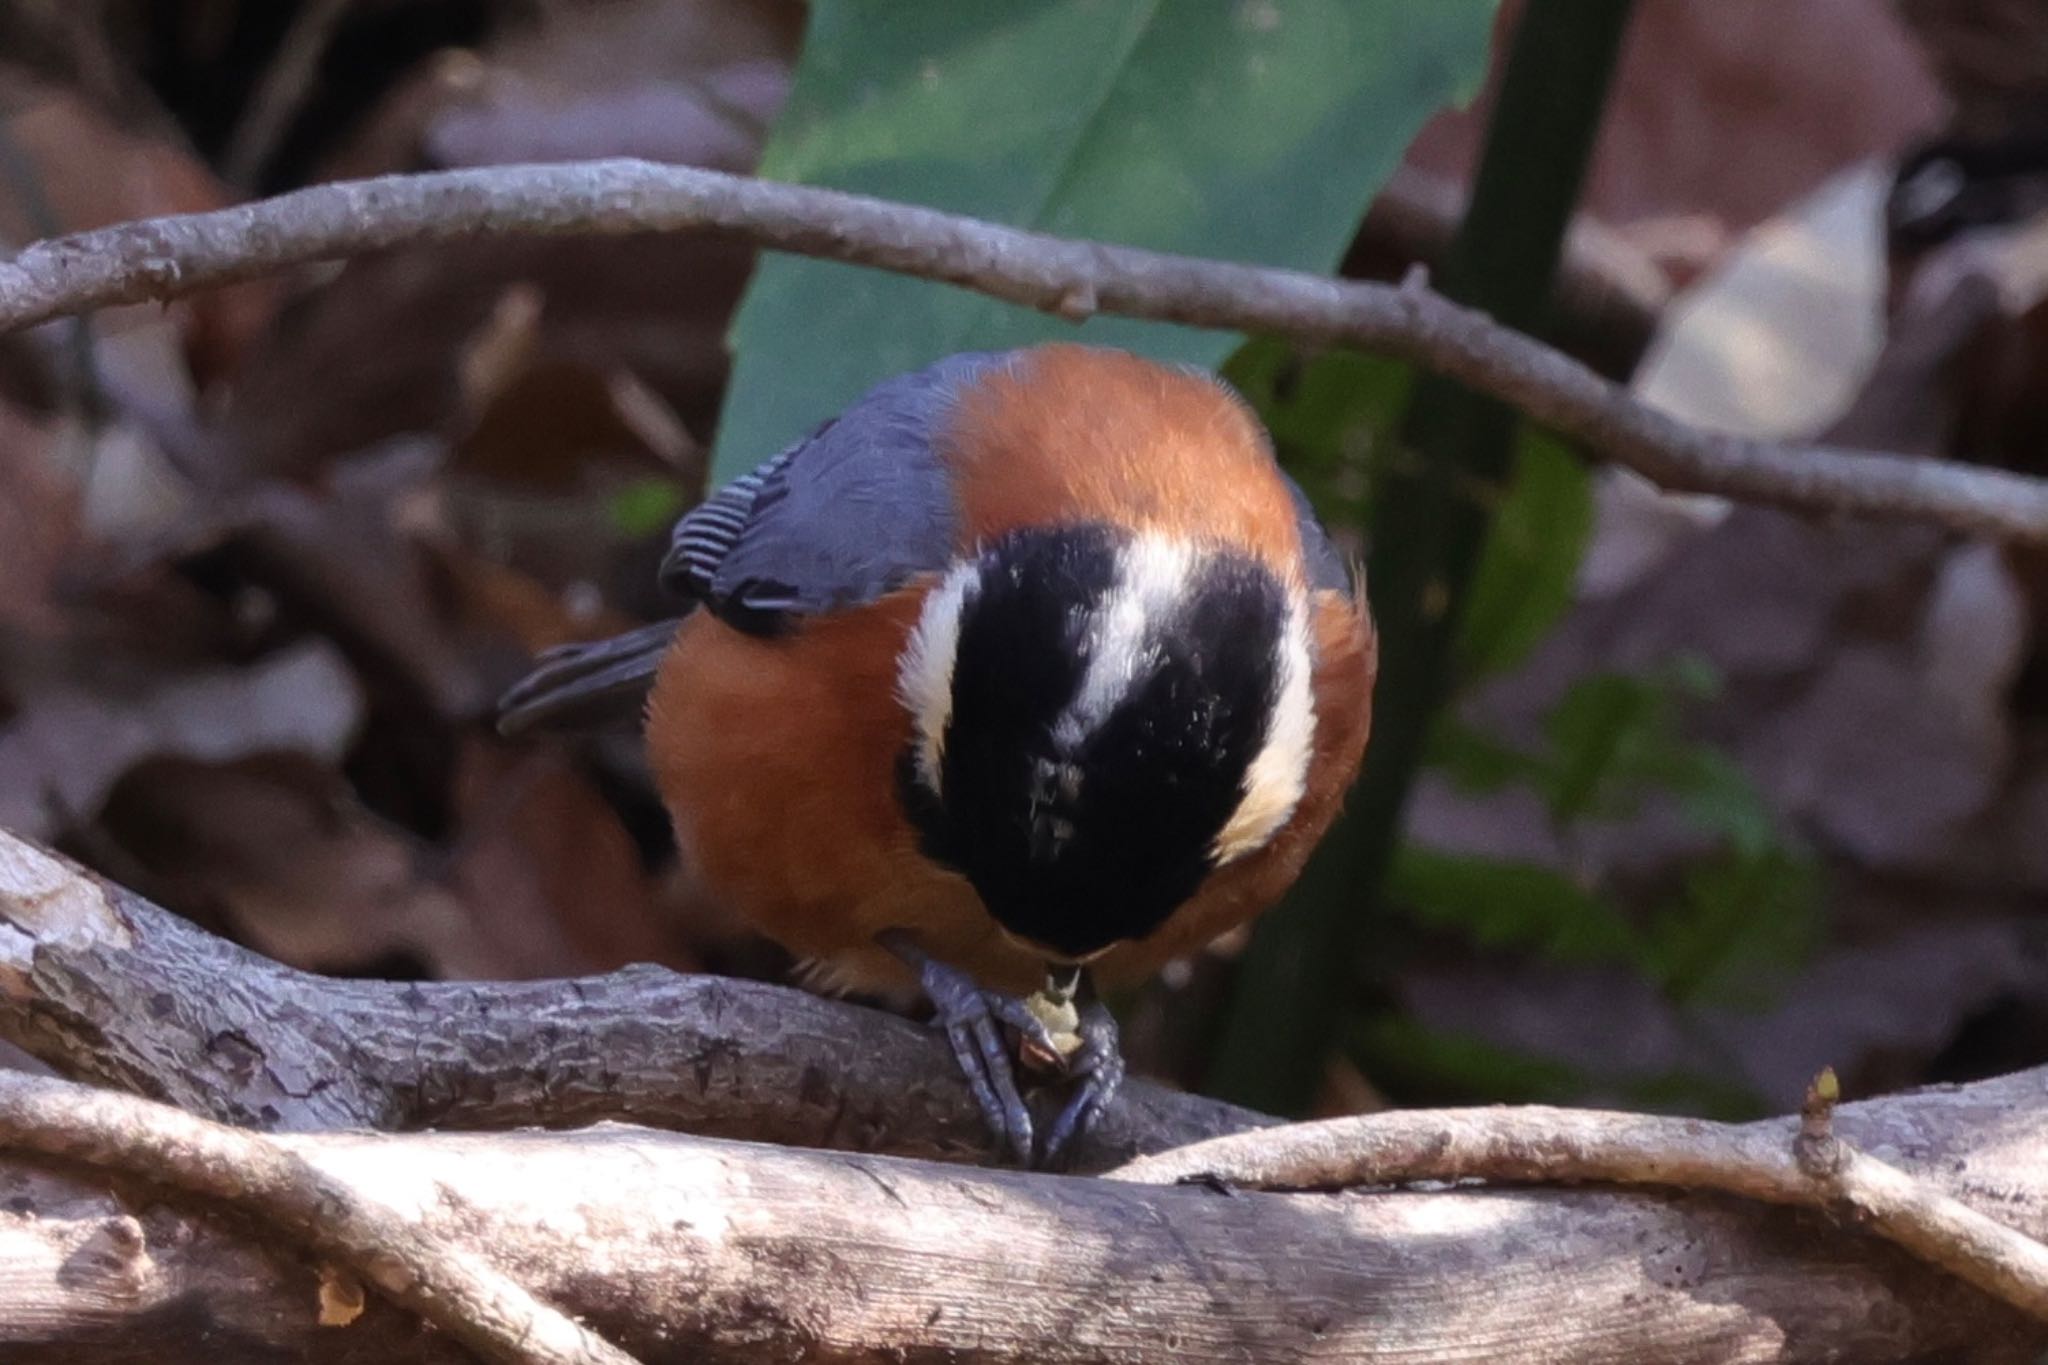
(971,1017)
(1098,1069)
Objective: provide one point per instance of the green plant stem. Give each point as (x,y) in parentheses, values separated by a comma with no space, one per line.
(1432,512)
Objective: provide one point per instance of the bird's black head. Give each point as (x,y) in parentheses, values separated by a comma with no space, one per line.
(1099,720)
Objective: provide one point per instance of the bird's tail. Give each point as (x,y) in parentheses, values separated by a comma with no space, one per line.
(586,686)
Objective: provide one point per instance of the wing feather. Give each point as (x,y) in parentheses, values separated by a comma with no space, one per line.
(851,513)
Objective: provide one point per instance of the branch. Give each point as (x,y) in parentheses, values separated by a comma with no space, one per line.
(103,985)
(1801,1163)
(453,1288)
(695,1248)
(281,94)
(699,1250)
(168,258)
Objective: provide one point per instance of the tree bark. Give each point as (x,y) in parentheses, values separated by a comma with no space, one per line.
(687,1247)
(166,258)
(680,1248)
(106,987)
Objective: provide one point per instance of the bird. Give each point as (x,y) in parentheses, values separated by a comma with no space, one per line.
(1025,675)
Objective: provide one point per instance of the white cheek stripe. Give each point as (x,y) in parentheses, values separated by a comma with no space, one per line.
(1278,775)
(924,673)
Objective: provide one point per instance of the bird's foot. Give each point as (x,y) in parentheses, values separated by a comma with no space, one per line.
(1098,1068)
(972,1018)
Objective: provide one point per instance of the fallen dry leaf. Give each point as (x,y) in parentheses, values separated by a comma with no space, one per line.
(548,859)
(88,170)
(692,83)
(1724,111)
(66,748)
(279,850)
(38,522)
(536,878)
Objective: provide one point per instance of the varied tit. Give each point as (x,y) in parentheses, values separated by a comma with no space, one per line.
(1027,664)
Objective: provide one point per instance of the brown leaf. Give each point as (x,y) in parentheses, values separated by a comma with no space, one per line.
(507,604)
(552,426)
(539,877)
(549,859)
(38,523)
(694,82)
(279,848)
(1992,55)
(69,745)
(354,557)
(379,349)
(1723,111)
(1874,760)
(85,170)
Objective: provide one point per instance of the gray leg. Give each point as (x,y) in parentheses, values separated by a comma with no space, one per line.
(1099,1066)
(971,1016)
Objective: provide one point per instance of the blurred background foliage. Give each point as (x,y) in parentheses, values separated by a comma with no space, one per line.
(1670,802)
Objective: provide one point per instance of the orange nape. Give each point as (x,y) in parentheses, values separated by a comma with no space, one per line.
(1073,434)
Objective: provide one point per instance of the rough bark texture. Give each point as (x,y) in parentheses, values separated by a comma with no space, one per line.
(681,1248)
(1803,1163)
(106,987)
(692,1248)
(455,1284)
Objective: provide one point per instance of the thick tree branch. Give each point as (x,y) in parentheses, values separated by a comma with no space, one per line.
(167,258)
(1797,1162)
(694,1248)
(103,985)
(450,1285)
(700,1250)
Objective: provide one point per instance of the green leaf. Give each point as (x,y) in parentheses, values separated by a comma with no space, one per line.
(1477,763)
(1741,926)
(1718,796)
(1248,129)
(1597,732)
(1333,416)
(1523,583)
(647,505)
(1497,903)
(1615,740)
(1741,917)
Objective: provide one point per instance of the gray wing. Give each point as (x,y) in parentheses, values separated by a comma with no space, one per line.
(592,685)
(1326,566)
(853,511)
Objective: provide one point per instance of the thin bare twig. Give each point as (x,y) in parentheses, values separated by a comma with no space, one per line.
(281,93)
(167,258)
(1799,1162)
(451,1287)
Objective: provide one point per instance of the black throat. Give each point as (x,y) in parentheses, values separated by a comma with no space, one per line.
(1080,837)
